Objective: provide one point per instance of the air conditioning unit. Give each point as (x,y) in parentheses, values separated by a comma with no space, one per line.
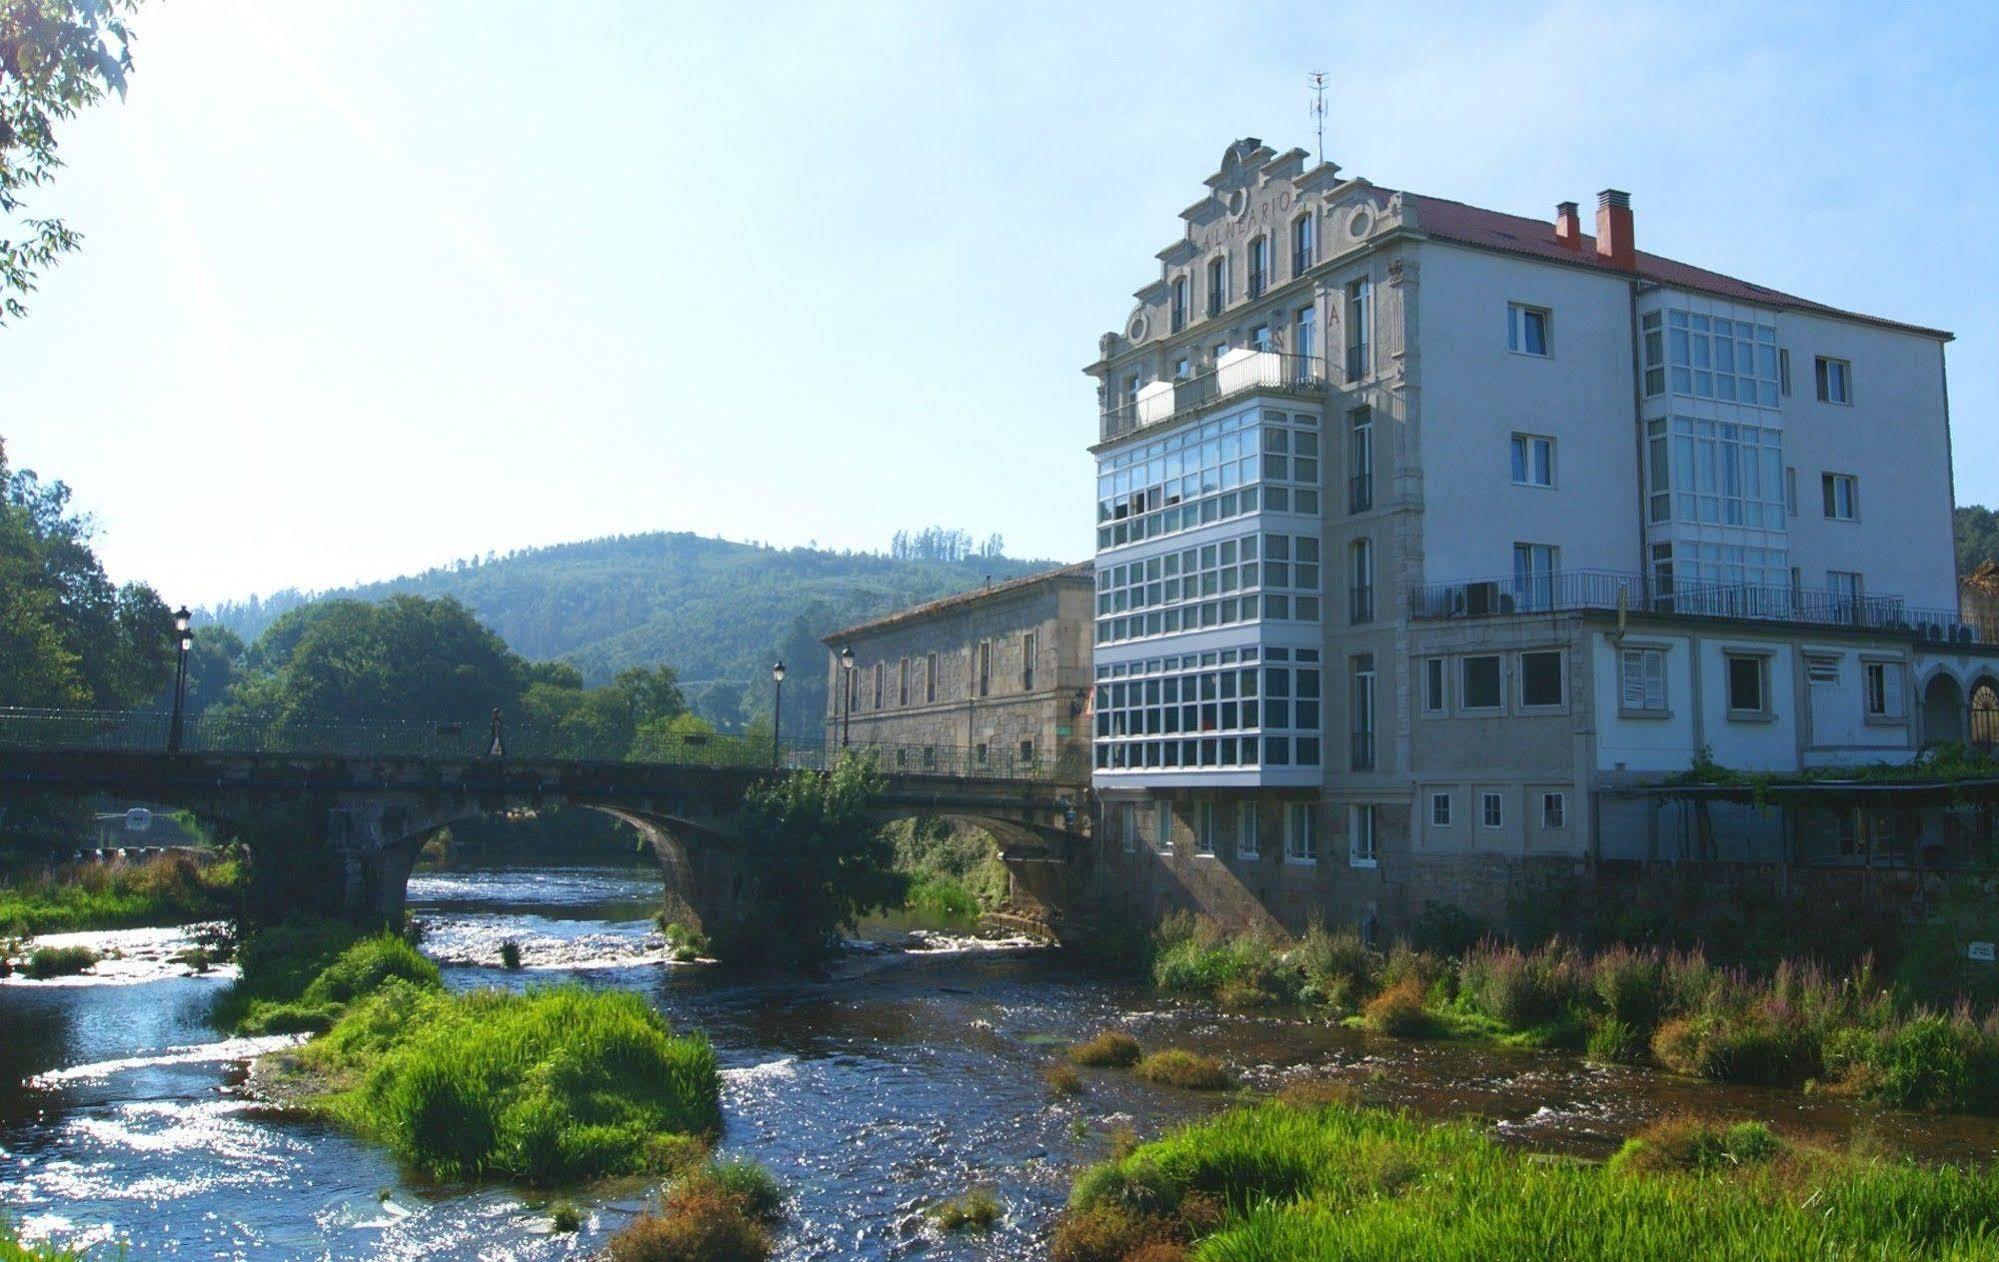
(1481,599)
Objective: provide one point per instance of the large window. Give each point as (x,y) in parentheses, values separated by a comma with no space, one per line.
(902,683)
(1478,685)
(1748,685)
(1492,810)
(1360,575)
(1526,329)
(1360,327)
(1884,690)
(1361,707)
(1711,358)
(1030,645)
(1179,303)
(930,678)
(1273,578)
(1301,245)
(1533,460)
(1217,709)
(1535,566)
(1204,828)
(1218,284)
(1259,266)
(1360,836)
(1246,842)
(1305,341)
(1301,833)
(1360,460)
(1440,810)
(1206,473)
(1642,680)
(1719,474)
(1541,679)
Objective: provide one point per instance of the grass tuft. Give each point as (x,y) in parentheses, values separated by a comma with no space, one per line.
(1177,1067)
(976,1210)
(1062,1079)
(1107,1049)
(46,962)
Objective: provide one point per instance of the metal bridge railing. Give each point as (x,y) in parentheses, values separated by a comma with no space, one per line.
(472,740)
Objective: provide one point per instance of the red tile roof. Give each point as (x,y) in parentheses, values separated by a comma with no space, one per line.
(1516,234)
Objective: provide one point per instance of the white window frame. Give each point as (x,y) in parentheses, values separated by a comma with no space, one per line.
(1520,457)
(1835,380)
(1762,658)
(1491,809)
(1362,838)
(1835,487)
(1204,829)
(1443,819)
(1247,844)
(1301,826)
(1560,816)
(1128,826)
(1650,706)
(1561,686)
(1163,817)
(1436,683)
(1893,693)
(1516,330)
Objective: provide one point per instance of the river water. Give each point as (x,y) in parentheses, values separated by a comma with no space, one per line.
(905,1077)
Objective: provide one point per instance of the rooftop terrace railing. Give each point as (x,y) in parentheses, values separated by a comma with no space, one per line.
(1238,372)
(113,731)
(1573,590)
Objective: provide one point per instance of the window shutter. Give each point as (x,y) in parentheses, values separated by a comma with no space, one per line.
(1655,680)
(1891,689)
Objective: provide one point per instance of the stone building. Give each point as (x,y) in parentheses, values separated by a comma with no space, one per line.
(992,681)
(1430,539)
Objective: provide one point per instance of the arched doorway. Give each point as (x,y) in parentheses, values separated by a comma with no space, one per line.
(1943,710)
(1985,714)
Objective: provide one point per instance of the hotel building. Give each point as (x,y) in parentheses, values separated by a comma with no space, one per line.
(1430,539)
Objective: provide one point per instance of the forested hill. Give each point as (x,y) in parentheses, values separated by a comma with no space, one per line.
(713,610)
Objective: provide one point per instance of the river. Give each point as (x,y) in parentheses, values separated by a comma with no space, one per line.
(905,1077)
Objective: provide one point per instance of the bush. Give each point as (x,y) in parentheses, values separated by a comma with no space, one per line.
(684,943)
(719,1212)
(976,1210)
(747,1185)
(1177,1067)
(1339,970)
(1400,1010)
(1062,1080)
(1108,1049)
(67,961)
(1631,986)
(1695,1145)
(510,955)
(1245,970)
(1613,1042)
(1519,990)
(1109,1232)
(270,997)
(564,1217)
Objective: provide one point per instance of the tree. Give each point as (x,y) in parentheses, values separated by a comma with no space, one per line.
(1977,537)
(814,865)
(56,57)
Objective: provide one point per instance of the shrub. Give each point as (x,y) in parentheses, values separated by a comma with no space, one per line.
(1399,1010)
(1613,1042)
(747,1185)
(510,955)
(1112,1049)
(67,961)
(1109,1232)
(1631,986)
(942,896)
(565,1217)
(1696,1145)
(1177,1067)
(1338,969)
(684,943)
(1062,1080)
(1519,989)
(976,1210)
(702,1226)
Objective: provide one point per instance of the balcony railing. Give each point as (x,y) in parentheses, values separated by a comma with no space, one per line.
(1572,590)
(1237,372)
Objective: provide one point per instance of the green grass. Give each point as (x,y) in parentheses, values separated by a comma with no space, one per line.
(12,1250)
(976,1210)
(170,889)
(942,896)
(46,962)
(1177,1067)
(549,1087)
(1333,1182)
(714,1212)
(301,975)
(1107,1049)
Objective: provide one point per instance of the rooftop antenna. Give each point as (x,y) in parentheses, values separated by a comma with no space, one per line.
(1319,110)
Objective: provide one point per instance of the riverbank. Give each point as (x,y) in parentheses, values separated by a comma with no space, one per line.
(1314,1177)
(1799,1025)
(176,888)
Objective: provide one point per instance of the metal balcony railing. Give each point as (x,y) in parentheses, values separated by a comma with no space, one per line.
(1237,373)
(1572,590)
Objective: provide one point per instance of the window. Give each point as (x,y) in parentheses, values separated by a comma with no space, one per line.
(1835,380)
(1361,709)
(1360,326)
(1360,836)
(1711,358)
(1259,259)
(1163,838)
(1478,687)
(1784,371)
(985,668)
(1305,342)
(1554,810)
(1360,572)
(1848,594)
(1301,245)
(1301,833)
(1492,810)
(1533,460)
(1245,832)
(1791,490)
(930,678)
(1433,686)
(1027,753)
(1179,303)
(902,683)
(1232,711)
(1218,284)
(1183,368)
(1526,329)
(1841,493)
(1029,647)
(1360,461)
(1218,470)
(1204,828)
(1748,678)
(1884,690)
(1723,474)
(1642,680)
(981,753)
(1127,820)
(1440,810)
(1259,338)
(1541,679)
(1534,567)
(881,676)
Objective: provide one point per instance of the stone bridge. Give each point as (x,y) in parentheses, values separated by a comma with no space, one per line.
(370,814)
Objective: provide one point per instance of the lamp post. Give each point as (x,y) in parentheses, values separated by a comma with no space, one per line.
(776,709)
(183,640)
(846,690)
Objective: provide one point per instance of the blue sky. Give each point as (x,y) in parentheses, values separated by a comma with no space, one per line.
(372,285)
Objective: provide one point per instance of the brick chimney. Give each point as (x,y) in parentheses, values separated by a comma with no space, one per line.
(1568,226)
(1613,230)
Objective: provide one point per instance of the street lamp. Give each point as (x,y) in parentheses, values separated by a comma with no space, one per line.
(184,640)
(776,708)
(846,690)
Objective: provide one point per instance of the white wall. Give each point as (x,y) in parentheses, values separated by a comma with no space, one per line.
(1665,743)
(1476,394)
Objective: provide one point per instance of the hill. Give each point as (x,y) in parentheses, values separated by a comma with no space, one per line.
(1977,537)
(718,612)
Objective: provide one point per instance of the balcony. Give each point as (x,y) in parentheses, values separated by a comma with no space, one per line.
(1603,590)
(1237,372)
